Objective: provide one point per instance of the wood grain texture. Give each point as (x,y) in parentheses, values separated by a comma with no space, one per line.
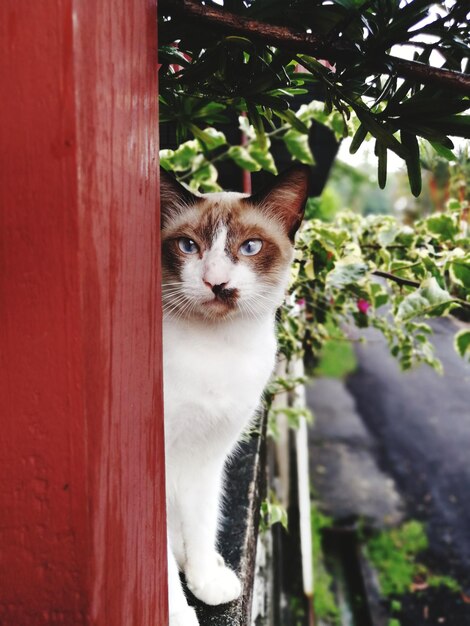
(82,521)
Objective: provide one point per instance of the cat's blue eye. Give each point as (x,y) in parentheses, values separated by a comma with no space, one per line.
(188,246)
(250,247)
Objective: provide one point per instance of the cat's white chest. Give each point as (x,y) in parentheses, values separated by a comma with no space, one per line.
(214,377)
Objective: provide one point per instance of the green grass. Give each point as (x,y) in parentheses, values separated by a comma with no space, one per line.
(435,580)
(337,359)
(324,604)
(394,553)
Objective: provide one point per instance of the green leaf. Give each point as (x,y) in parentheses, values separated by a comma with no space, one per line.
(437,107)
(170,54)
(442,151)
(429,133)
(208,186)
(360,135)
(335,236)
(243,159)
(243,42)
(273,102)
(214,138)
(460,273)
(257,122)
(245,126)
(413,164)
(184,156)
(442,225)
(272,512)
(379,131)
(290,117)
(347,271)
(210,112)
(381,151)
(210,137)
(388,233)
(278,514)
(294,415)
(454,205)
(298,146)
(462,342)
(379,295)
(263,157)
(166,159)
(425,300)
(458,125)
(204,173)
(309,269)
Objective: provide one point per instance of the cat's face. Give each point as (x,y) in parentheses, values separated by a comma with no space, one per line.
(226,255)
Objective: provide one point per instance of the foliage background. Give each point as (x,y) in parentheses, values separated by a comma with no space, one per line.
(372,270)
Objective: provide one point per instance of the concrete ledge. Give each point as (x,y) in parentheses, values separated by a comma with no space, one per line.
(343,462)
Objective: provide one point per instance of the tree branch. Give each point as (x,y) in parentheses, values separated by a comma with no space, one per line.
(397,279)
(413,283)
(310,43)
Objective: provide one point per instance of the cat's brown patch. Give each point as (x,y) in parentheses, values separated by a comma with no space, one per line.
(276,251)
(286,199)
(243,221)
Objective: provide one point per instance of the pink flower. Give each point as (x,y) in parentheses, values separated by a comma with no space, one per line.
(301,301)
(363,305)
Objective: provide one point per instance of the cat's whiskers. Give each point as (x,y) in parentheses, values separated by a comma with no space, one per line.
(175,290)
(172,290)
(270,301)
(169,313)
(242,308)
(263,303)
(260,299)
(260,313)
(172,298)
(187,309)
(254,305)
(230,315)
(253,297)
(254,314)
(175,304)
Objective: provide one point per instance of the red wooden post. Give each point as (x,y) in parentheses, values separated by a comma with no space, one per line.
(82,523)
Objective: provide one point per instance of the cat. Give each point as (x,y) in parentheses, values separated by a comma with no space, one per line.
(225,265)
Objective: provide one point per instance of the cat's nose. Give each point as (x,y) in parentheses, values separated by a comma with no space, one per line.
(216,289)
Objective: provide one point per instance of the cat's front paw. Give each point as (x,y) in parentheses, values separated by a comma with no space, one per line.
(186,617)
(215,585)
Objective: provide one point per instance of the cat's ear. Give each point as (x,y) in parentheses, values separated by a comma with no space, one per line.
(174,198)
(286,198)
